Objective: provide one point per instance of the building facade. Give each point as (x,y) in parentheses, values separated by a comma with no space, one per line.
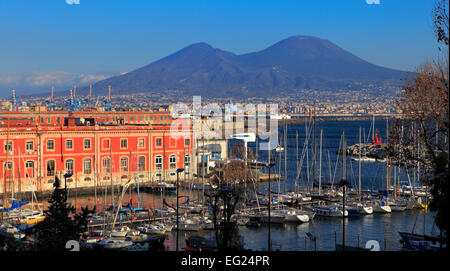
(94,148)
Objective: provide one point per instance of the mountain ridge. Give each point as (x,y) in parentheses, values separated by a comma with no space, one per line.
(298,62)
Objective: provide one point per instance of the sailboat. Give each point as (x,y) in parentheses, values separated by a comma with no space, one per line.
(359,208)
(381,206)
(327,210)
(291,215)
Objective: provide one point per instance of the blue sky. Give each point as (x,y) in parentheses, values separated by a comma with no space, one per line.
(100,37)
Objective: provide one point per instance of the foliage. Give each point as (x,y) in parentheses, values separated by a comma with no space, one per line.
(223,204)
(422,138)
(61,222)
(441,21)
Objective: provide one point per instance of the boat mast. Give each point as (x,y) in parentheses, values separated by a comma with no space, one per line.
(320,164)
(285,155)
(12,175)
(19,182)
(373,127)
(5,191)
(279,169)
(296,178)
(111,175)
(314,152)
(359,163)
(344,152)
(307,157)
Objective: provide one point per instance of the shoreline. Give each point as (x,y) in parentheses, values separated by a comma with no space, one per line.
(295,121)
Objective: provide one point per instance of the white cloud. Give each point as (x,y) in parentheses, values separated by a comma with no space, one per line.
(48,78)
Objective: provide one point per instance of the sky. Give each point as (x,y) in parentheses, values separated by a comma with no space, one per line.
(60,41)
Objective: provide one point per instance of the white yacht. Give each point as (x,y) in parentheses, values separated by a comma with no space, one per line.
(398,205)
(381,207)
(274,217)
(327,210)
(187,224)
(364,159)
(291,215)
(112,243)
(120,231)
(163,211)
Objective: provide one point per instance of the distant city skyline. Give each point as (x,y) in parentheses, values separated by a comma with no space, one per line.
(45,42)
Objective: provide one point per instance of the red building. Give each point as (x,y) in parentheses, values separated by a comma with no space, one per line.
(93,146)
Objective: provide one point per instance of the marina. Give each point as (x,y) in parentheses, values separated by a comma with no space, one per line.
(301,209)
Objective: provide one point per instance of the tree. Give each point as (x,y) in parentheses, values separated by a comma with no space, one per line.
(223,205)
(61,222)
(422,137)
(440,21)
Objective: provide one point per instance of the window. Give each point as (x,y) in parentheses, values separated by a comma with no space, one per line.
(141,142)
(49,120)
(8,166)
(9,146)
(29,169)
(50,167)
(124,164)
(69,144)
(105,143)
(158,162)
(187,141)
(141,163)
(87,166)
(173,161)
(50,144)
(87,143)
(187,160)
(158,142)
(69,165)
(106,165)
(123,143)
(58,119)
(29,145)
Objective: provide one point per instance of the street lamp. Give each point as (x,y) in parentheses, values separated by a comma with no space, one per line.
(268,166)
(343,183)
(178,179)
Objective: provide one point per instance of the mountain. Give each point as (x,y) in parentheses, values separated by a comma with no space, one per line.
(298,62)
